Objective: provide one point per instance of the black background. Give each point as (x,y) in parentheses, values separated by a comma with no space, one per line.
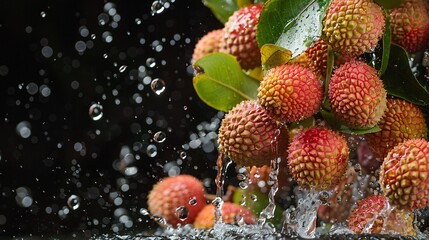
(51,173)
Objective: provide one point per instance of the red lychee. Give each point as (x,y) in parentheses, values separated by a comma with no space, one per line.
(246,135)
(357,95)
(209,43)
(404,174)
(290,93)
(318,158)
(177,199)
(231,213)
(239,37)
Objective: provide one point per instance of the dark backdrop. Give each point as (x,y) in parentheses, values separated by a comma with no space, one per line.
(56,60)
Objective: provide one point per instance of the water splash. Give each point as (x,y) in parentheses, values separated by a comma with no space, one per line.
(222,164)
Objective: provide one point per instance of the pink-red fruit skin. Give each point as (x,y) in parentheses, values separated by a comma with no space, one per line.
(374,215)
(357,95)
(172,193)
(410,25)
(318,158)
(246,134)
(404,174)
(353,27)
(209,43)
(231,213)
(401,121)
(290,93)
(239,37)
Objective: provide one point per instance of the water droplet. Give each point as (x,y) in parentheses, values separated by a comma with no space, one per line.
(138,21)
(182,154)
(150,62)
(193,201)
(159,219)
(73,202)
(158,86)
(151,150)
(42,14)
(157,7)
(182,213)
(159,137)
(144,212)
(241,177)
(123,68)
(23,129)
(243,185)
(96,111)
(254,197)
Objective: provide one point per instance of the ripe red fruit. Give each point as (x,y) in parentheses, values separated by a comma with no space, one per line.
(404,174)
(401,121)
(357,95)
(177,199)
(231,213)
(318,158)
(209,43)
(374,215)
(290,93)
(239,38)
(353,27)
(410,25)
(246,134)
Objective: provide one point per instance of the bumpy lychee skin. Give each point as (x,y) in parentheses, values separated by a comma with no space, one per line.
(404,174)
(231,213)
(357,95)
(353,27)
(410,25)
(246,134)
(317,158)
(290,93)
(239,39)
(401,121)
(373,212)
(172,193)
(209,43)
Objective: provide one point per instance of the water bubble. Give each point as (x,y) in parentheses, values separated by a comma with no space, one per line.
(182,213)
(96,111)
(243,185)
(150,62)
(182,155)
(193,201)
(151,150)
(158,86)
(23,129)
(157,7)
(73,202)
(159,137)
(144,212)
(47,51)
(123,68)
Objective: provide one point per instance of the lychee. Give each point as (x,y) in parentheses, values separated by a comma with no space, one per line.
(410,25)
(404,174)
(247,135)
(318,158)
(401,121)
(290,93)
(231,213)
(239,37)
(353,27)
(375,215)
(209,43)
(357,95)
(177,199)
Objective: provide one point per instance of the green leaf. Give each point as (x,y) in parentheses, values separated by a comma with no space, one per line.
(222,9)
(259,205)
(336,124)
(291,24)
(387,37)
(273,55)
(221,83)
(399,79)
(389,4)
